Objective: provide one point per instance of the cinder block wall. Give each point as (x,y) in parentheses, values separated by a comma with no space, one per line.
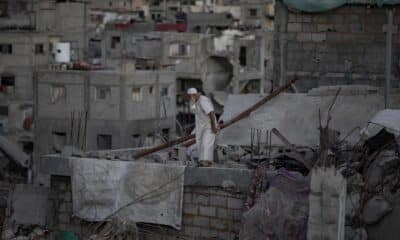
(208,213)
(211,213)
(342,46)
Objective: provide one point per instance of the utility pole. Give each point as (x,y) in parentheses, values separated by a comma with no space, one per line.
(388,67)
(85,38)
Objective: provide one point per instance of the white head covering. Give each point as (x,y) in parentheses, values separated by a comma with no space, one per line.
(192,91)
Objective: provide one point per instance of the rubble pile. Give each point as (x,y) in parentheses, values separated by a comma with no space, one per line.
(24,233)
(373,178)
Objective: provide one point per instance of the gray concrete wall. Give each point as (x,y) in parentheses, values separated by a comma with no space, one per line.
(23,60)
(72,25)
(341,46)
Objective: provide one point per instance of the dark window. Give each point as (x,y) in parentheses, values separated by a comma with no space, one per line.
(23,6)
(39,48)
(110,4)
(104,141)
(253,12)
(164,92)
(8,80)
(95,48)
(103,93)
(59,141)
(115,41)
(3,8)
(243,56)
(6,48)
(197,29)
(136,140)
(165,134)
(151,90)
(4,110)
(7,83)
(27,147)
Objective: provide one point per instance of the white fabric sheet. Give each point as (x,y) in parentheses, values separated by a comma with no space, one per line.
(129,191)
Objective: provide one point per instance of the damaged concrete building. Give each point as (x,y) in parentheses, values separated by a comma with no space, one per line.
(103,109)
(306,95)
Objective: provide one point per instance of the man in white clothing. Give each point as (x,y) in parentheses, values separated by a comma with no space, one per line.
(206,126)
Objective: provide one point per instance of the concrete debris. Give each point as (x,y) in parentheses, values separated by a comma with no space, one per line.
(25,233)
(374,174)
(375,209)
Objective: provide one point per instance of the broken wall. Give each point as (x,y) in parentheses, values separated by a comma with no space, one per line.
(209,211)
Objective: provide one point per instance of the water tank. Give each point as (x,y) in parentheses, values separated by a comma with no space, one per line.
(62,52)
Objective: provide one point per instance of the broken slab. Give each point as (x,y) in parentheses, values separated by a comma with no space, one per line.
(296,116)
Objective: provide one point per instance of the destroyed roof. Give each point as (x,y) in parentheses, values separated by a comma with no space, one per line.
(296,116)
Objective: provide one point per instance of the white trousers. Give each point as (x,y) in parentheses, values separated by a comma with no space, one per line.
(205,144)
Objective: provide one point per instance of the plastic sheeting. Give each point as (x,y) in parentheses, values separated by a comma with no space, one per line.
(325,5)
(388,119)
(131,192)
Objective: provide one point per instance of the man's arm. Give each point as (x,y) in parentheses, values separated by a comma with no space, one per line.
(213,120)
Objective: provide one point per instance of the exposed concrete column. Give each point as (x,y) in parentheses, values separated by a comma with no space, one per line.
(388,61)
(282,32)
(236,66)
(327,204)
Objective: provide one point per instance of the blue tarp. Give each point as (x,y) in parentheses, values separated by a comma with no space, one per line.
(325,5)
